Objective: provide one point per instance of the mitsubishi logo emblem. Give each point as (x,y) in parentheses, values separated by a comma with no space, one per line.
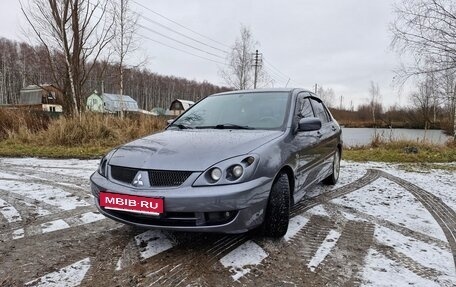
(137,181)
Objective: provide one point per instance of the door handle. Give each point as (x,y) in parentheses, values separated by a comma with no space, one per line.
(319,134)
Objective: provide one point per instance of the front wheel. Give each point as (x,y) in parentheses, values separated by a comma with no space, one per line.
(278,210)
(334,176)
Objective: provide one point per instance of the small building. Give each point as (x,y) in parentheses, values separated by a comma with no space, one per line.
(178,106)
(111,103)
(44,97)
(95,103)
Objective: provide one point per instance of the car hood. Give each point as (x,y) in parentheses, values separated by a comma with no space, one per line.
(193,150)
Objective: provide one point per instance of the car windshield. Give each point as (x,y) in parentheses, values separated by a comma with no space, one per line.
(262,110)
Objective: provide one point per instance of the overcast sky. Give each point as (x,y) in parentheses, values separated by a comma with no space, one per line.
(339,44)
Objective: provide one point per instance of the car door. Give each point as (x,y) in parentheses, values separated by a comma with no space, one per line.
(307,147)
(328,136)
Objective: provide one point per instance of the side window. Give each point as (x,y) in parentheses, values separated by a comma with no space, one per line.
(306,109)
(303,108)
(320,111)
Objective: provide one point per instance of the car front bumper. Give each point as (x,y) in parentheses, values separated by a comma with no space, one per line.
(232,208)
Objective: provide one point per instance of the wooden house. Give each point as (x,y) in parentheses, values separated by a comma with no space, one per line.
(44,97)
(178,106)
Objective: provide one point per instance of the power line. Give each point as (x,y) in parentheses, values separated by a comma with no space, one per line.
(181,50)
(177,49)
(180,42)
(179,33)
(288,78)
(272,66)
(274,75)
(180,25)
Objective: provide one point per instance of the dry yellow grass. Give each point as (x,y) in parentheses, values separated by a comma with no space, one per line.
(88,130)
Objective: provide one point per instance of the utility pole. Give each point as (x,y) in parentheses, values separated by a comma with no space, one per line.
(316,86)
(257,63)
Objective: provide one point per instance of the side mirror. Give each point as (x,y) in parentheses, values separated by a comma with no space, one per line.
(309,124)
(170,121)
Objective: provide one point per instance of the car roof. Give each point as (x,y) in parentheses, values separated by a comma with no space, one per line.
(289,90)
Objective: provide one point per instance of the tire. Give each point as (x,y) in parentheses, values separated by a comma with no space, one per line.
(334,176)
(278,210)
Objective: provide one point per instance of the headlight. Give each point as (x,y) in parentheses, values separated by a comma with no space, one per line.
(237,171)
(233,170)
(216,174)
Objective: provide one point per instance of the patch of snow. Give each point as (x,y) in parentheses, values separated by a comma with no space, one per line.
(18,233)
(441,183)
(54,225)
(152,242)
(90,217)
(324,249)
(247,254)
(318,210)
(352,217)
(389,201)
(39,211)
(423,253)
(59,224)
(9,212)
(349,172)
(381,271)
(45,193)
(72,167)
(119,264)
(8,176)
(295,224)
(68,276)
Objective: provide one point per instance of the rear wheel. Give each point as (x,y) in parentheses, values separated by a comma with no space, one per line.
(278,210)
(332,179)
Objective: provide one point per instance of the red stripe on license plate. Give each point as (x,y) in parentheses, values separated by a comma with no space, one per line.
(131,203)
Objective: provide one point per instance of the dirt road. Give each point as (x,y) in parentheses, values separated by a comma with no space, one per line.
(380,226)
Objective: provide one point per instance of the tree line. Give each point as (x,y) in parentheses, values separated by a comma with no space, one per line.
(22,64)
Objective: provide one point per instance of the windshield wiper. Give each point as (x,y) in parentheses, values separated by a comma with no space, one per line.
(181,126)
(226,126)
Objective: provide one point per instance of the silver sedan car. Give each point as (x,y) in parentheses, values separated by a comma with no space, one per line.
(232,162)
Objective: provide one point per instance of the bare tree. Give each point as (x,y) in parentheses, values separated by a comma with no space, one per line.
(239,71)
(446,85)
(77,29)
(374,93)
(125,41)
(327,95)
(423,101)
(425,30)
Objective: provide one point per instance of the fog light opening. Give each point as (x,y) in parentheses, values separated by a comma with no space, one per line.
(219,217)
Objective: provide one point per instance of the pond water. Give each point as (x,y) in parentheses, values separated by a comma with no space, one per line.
(363,136)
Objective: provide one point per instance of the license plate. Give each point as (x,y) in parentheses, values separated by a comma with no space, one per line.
(131,203)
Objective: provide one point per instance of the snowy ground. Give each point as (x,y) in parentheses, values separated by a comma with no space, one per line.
(381,225)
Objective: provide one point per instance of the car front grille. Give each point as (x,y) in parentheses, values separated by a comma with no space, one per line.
(167,178)
(123,174)
(160,178)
